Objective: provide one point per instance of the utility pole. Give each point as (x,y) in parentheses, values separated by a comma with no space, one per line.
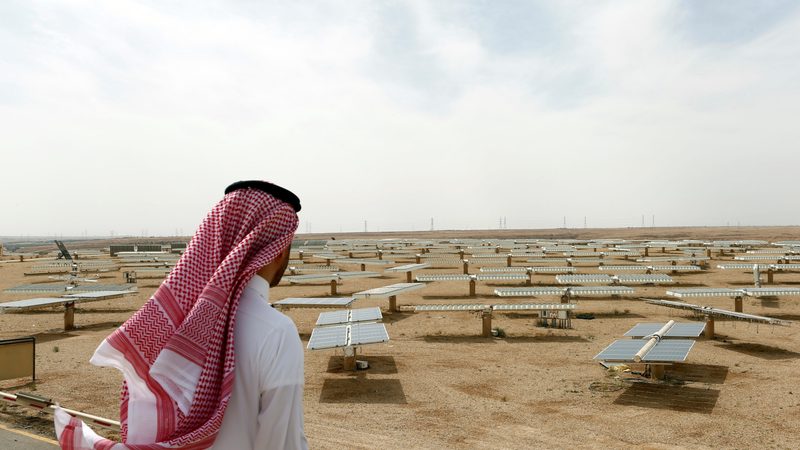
(565,222)
(365,226)
(584,221)
(431,223)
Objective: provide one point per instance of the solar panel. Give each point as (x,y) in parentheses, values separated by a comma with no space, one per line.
(673,258)
(554,269)
(310,277)
(503,269)
(408,267)
(314,268)
(583,278)
(334,317)
(672,350)
(33,303)
(758,257)
(665,351)
(502,277)
(362,274)
(601,290)
(450,307)
(365,314)
(58,288)
(704,292)
(328,337)
(99,295)
(714,311)
(677,330)
(388,291)
(676,268)
(380,262)
(528,292)
(620,350)
(444,277)
(351,315)
(771,291)
(645,279)
(535,307)
(368,333)
(320,302)
(623,268)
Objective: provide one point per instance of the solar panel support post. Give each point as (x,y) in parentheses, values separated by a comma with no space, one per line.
(737,303)
(393,303)
(300,255)
(408,277)
(333,287)
(708,253)
(529,270)
(363,267)
(380,254)
(508,261)
(646,251)
(69,316)
(486,316)
(770,274)
(349,358)
(709,330)
(418,258)
(657,371)
(472,287)
(466,267)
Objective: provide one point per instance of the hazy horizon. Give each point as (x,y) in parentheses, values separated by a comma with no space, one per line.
(131,117)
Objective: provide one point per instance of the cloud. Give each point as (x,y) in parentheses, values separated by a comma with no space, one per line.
(396,112)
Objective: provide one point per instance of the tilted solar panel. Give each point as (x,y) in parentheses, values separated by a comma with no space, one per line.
(448,307)
(320,302)
(535,307)
(328,337)
(528,292)
(677,330)
(388,291)
(368,333)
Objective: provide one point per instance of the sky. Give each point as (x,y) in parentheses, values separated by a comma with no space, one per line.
(131,117)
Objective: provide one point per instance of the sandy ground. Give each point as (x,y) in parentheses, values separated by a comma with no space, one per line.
(439,384)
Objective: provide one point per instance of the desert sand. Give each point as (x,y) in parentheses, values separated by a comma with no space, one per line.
(439,384)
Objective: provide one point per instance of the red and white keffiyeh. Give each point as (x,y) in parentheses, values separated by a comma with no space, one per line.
(176,353)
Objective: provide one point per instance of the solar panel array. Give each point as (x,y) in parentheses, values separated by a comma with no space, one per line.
(583,278)
(350,315)
(445,277)
(408,267)
(665,351)
(388,291)
(706,310)
(704,292)
(319,302)
(645,279)
(451,307)
(676,330)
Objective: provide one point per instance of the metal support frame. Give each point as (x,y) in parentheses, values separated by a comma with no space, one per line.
(393,303)
(737,303)
(657,371)
(472,282)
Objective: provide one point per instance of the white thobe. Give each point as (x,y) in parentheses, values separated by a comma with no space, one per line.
(266,407)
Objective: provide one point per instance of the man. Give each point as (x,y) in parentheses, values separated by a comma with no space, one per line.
(207,362)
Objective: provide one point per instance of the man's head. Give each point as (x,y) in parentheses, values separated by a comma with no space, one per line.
(272,271)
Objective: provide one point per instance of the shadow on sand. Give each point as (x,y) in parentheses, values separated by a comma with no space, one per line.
(674,398)
(362,390)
